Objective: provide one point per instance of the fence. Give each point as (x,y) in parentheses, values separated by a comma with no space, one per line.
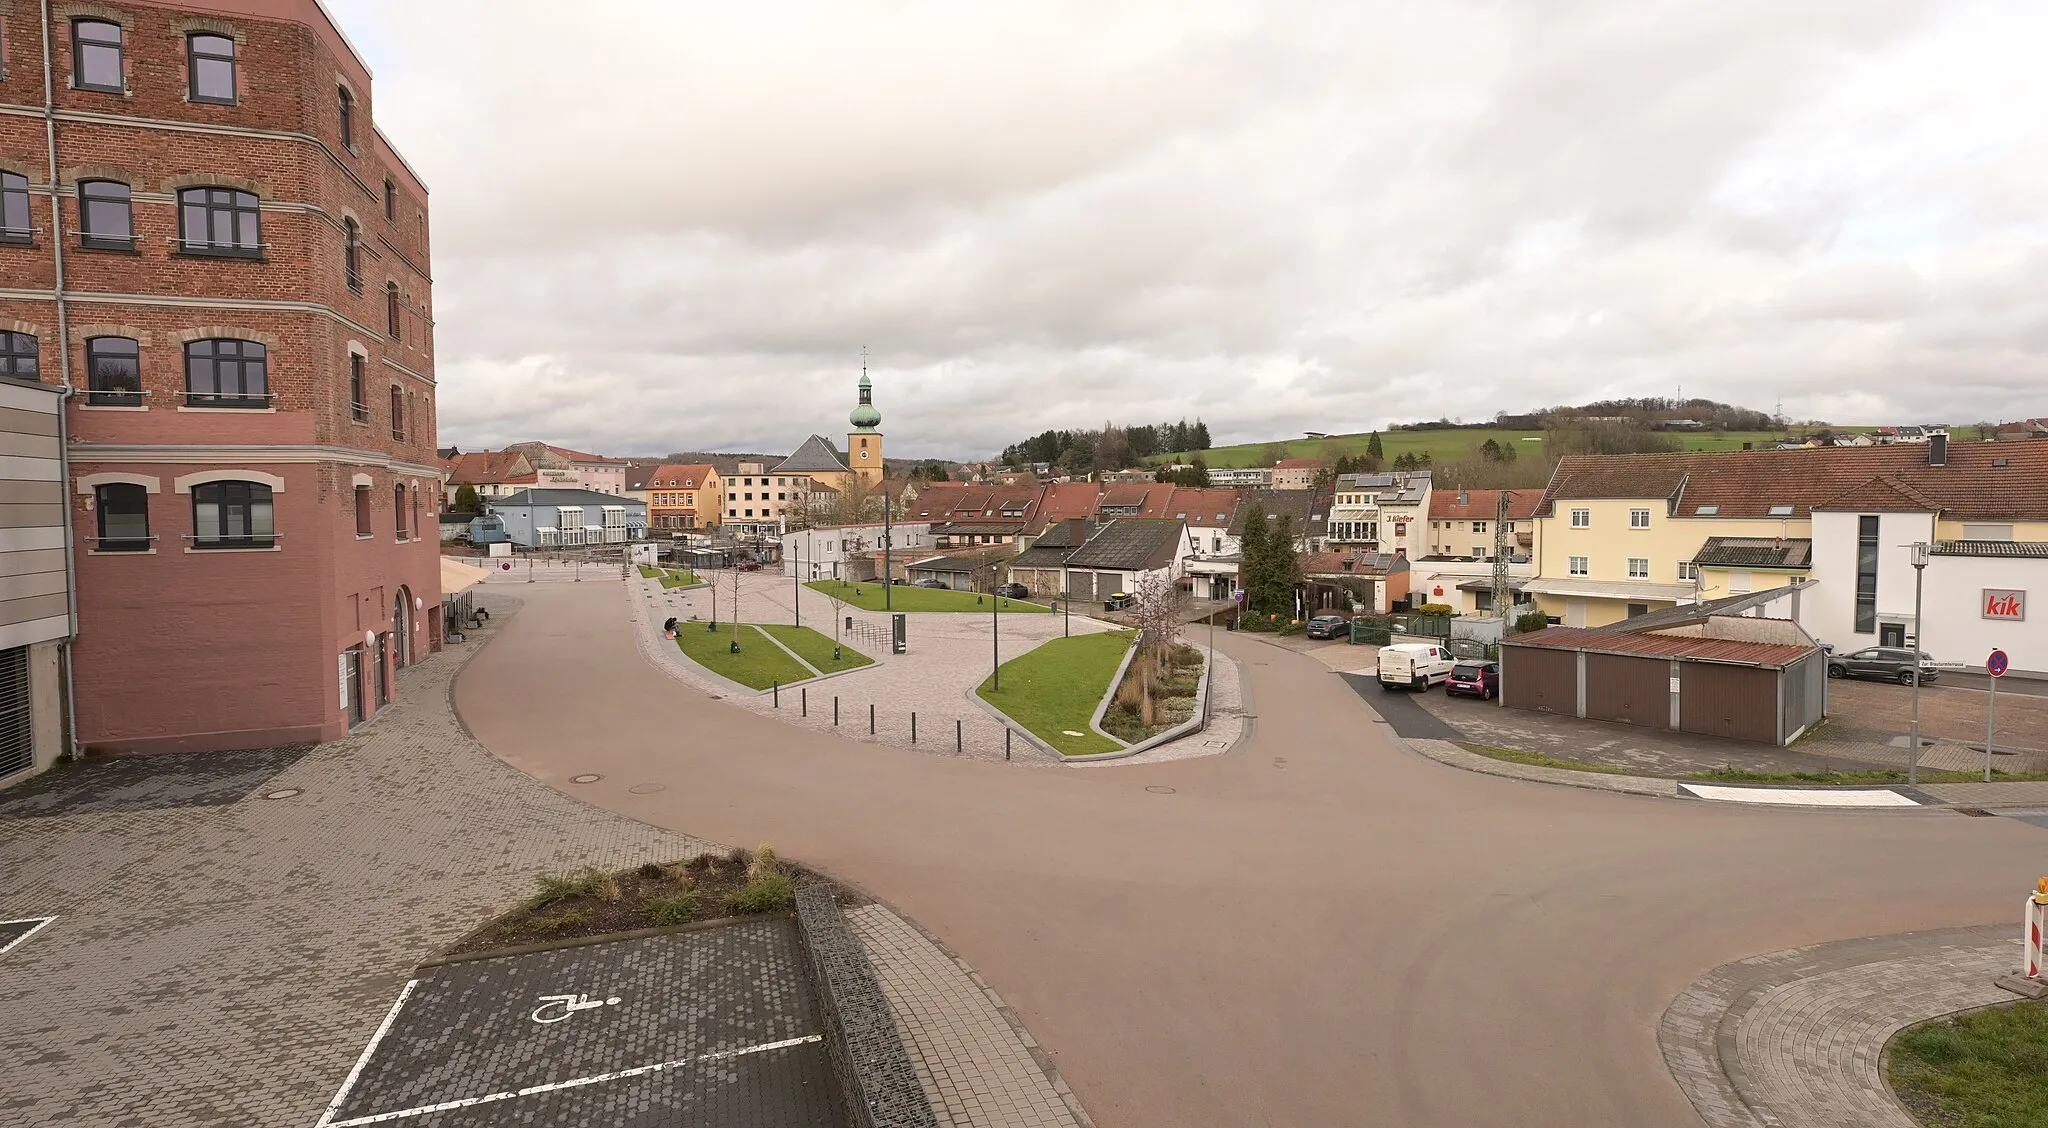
(550,568)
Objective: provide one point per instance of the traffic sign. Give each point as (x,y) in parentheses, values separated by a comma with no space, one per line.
(1237,594)
(1996,664)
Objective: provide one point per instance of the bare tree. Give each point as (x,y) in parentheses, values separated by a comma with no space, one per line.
(1157,608)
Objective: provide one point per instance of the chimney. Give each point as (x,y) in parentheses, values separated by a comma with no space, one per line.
(1937,448)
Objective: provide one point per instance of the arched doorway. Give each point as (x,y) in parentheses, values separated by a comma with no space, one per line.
(401,628)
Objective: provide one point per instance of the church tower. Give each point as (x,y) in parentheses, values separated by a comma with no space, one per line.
(864,442)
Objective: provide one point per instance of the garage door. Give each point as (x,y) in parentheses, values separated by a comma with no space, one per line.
(1539,678)
(1634,691)
(1738,702)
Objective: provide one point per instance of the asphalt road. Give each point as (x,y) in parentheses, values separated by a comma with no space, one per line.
(1319,928)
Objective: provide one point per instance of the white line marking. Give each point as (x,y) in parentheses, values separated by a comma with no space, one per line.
(334,1105)
(572,1083)
(1800,797)
(41,923)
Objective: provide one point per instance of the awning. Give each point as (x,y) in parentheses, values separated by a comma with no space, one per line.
(1608,589)
(457,577)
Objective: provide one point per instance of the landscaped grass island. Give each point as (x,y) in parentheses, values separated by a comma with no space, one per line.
(815,648)
(1053,689)
(669,577)
(908,597)
(1984,1069)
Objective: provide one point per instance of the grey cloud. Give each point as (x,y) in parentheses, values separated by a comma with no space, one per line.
(680,235)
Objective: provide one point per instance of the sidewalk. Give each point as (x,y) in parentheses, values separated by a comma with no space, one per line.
(1795,1039)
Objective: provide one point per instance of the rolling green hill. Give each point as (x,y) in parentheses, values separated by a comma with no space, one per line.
(1442,446)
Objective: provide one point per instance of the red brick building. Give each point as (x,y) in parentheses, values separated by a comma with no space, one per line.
(213,248)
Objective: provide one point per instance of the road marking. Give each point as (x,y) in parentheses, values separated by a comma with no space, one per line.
(334,1105)
(572,1083)
(570,1004)
(1798,797)
(40,924)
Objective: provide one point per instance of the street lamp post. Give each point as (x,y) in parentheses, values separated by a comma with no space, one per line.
(995,631)
(796,585)
(712,626)
(1913,741)
(735,611)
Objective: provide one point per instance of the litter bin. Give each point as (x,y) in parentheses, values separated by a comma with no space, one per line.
(899,632)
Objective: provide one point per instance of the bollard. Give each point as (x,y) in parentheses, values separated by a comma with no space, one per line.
(835,710)
(871,718)
(956,736)
(2031,933)
(1006,742)
(913,726)
(778,693)
(804,700)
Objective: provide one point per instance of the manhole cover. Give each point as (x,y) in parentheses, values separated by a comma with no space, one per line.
(1974,812)
(283,793)
(1160,789)
(587,777)
(645,788)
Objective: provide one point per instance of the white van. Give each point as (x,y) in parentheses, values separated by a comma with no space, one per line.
(1414,665)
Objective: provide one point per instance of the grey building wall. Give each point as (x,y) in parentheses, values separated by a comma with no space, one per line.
(35,599)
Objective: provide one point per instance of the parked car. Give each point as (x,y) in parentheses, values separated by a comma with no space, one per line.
(1328,626)
(931,583)
(1119,601)
(1413,665)
(1892,663)
(898,582)
(747,566)
(1014,591)
(1474,677)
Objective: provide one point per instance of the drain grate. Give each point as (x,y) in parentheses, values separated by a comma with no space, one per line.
(1973,812)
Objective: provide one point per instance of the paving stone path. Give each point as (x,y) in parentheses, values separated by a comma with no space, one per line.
(1795,1039)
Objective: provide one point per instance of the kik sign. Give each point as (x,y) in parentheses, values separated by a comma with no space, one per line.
(2004,603)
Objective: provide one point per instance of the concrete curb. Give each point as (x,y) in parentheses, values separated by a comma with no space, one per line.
(1188,727)
(588,941)
(1445,752)
(973,694)
(1116,680)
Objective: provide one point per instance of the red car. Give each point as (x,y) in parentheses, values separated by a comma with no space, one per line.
(1474,677)
(747,566)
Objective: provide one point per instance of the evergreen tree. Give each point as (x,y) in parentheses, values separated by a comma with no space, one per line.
(1374,450)
(1197,475)
(1198,436)
(1252,554)
(466,499)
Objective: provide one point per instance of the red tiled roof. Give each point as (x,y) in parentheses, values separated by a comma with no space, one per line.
(1981,481)
(489,468)
(1063,500)
(1483,505)
(1298,464)
(684,477)
(960,501)
(580,456)
(1649,644)
(1209,508)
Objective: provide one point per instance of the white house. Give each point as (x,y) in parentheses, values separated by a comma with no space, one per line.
(825,552)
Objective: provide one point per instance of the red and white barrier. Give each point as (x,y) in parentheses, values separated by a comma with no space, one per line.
(2036,927)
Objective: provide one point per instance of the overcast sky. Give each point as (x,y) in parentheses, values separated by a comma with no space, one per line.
(674,225)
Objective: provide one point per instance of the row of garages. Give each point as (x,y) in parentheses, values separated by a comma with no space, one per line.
(1749,679)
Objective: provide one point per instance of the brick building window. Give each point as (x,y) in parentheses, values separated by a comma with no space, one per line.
(14,224)
(18,358)
(223,372)
(398,413)
(392,309)
(390,198)
(347,103)
(211,63)
(123,510)
(358,408)
(418,528)
(219,221)
(106,215)
(398,510)
(96,56)
(233,515)
(363,527)
(113,372)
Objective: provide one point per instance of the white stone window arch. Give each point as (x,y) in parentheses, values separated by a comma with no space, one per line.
(89,482)
(184,482)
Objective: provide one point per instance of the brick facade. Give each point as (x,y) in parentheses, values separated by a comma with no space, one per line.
(195,647)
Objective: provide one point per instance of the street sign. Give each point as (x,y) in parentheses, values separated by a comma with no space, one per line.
(1996,664)
(1237,594)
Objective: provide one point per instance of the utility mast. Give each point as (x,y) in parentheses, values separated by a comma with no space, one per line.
(1502,601)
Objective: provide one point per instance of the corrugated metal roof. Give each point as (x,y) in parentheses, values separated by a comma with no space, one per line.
(2015,550)
(1606,640)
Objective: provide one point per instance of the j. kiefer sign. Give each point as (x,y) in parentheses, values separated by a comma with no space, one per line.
(2005,604)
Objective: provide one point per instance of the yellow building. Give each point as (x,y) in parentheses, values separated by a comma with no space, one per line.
(826,466)
(1624,535)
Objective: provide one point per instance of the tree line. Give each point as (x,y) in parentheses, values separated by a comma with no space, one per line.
(1110,447)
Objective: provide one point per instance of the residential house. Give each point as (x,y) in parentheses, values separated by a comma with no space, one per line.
(1043,566)
(1125,476)
(853,552)
(971,513)
(2021,431)
(1121,554)
(1211,555)
(1293,473)
(562,468)
(1062,501)
(1384,511)
(963,569)
(547,518)
(1624,535)
(491,474)
(684,498)
(1307,512)
(1353,580)
(1461,522)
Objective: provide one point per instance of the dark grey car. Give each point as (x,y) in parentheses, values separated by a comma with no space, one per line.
(1891,663)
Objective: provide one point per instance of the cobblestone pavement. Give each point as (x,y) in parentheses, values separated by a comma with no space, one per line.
(224,964)
(948,656)
(977,1064)
(1795,1039)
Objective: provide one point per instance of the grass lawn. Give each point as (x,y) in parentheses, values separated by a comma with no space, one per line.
(868,597)
(676,579)
(1986,1069)
(1870,775)
(1539,760)
(758,665)
(648,573)
(816,648)
(1442,446)
(1054,689)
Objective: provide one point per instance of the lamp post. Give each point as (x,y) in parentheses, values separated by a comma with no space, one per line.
(735,611)
(888,573)
(995,630)
(796,584)
(1913,741)
(712,626)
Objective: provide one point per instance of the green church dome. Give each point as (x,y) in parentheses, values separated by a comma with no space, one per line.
(864,416)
